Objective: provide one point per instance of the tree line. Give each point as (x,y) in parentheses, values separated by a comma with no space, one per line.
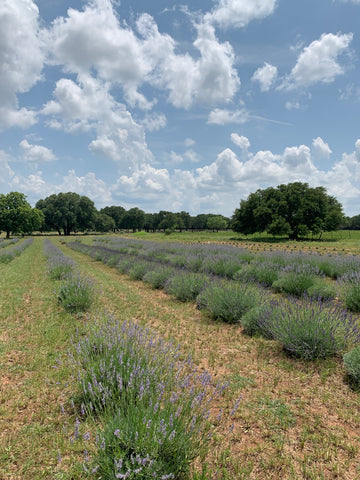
(71,212)
(294,210)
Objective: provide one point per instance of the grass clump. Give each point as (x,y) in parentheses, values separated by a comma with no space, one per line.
(311,330)
(76,293)
(352,364)
(228,301)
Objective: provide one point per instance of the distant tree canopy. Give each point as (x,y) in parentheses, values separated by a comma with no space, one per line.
(68,212)
(295,210)
(17,215)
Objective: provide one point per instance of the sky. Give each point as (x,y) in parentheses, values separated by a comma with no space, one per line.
(179,106)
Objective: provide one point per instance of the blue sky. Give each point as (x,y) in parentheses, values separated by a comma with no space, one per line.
(179,106)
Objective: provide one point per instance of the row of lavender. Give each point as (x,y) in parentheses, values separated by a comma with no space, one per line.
(76,292)
(292,273)
(149,404)
(9,254)
(5,243)
(306,328)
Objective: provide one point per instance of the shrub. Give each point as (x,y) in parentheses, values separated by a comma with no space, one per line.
(158,276)
(320,290)
(350,290)
(296,279)
(59,267)
(76,293)
(265,273)
(221,265)
(138,269)
(228,301)
(152,410)
(352,364)
(311,330)
(253,320)
(185,286)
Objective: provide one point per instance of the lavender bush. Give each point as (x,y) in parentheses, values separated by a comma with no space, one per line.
(296,279)
(139,269)
(311,330)
(186,286)
(59,266)
(158,275)
(228,301)
(350,290)
(352,364)
(76,293)
(152,407)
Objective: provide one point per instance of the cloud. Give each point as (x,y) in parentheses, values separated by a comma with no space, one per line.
(240,141)
(222,117)
(189,142)
(295,105)
(239,13)
(35,187)
(153,122)
(211,79)
(94,40)
(145,184)
(21,59)
(321,148)
(318,62)
(266,76)
(87,106)
(36,153)
(6,173)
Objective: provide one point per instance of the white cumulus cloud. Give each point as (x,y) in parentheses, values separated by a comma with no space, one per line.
(321,148)
(21,59)
(240,141)
(318,62)
(266,76)
(36,153)
(239,13)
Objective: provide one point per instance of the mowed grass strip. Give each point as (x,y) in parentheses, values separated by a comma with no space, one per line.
(296,420)
(34,331)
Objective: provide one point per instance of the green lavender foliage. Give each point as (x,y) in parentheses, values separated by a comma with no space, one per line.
(352,364)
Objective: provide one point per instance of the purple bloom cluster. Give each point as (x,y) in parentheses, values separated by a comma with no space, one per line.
(153,404)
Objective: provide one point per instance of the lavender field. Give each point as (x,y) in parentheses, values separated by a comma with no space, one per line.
(128,358)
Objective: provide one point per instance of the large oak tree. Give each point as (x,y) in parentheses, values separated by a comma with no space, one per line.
(295,210)
(17,215)
(68,212)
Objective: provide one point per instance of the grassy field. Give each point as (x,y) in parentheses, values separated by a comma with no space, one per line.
(296,420)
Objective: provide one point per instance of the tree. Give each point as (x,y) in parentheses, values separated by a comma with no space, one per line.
(17,216)
(103,222)
(115,212)
(217,222)
(294,209)
(68,212)
(133,219)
